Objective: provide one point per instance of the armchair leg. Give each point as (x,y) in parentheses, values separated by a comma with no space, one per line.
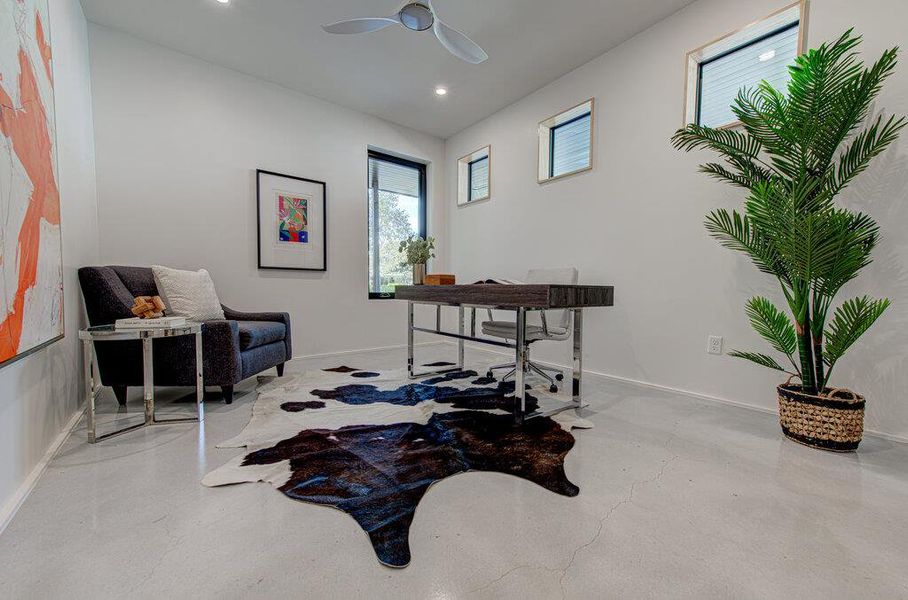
(280,370)
(227,390)
(120,392)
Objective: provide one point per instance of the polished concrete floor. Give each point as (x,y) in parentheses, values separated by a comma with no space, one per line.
(679,498)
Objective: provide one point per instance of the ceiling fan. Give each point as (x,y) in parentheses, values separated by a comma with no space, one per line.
(417,16)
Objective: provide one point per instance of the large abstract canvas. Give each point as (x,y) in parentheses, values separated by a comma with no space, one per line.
(31,261)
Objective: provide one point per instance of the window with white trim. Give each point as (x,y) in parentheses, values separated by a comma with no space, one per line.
(566,143)
(473,176)
(717,72)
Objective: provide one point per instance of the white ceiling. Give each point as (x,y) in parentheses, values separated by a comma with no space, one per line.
(392,73)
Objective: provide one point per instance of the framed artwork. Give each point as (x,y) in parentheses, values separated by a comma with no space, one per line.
(291,222)
(31,254)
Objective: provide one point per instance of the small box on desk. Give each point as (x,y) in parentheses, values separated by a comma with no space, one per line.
(439,279)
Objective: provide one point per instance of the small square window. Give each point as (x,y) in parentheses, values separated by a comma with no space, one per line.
(474,176)
(566,143)
(479,179)
(718,71)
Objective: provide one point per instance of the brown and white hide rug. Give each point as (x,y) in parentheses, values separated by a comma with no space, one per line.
(372,443)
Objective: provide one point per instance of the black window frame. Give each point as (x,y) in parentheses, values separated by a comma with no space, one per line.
(552,131)
(423,206)
(470,164)
(721,55)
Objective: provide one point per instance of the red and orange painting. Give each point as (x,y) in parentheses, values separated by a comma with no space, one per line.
(31,259)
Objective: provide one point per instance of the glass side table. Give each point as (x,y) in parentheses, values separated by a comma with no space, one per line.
(109,333)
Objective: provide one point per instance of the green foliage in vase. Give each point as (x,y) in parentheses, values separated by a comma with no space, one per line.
(794,153)
(418,251)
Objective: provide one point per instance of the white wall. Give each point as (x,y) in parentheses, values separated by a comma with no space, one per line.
(635,220)
(178,142)
(40,394)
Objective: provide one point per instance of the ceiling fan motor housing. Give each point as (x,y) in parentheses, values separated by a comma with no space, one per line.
(416,16)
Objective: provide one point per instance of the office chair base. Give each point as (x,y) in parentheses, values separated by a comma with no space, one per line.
(531,366)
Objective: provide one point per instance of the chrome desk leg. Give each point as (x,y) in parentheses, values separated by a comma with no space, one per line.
(148,380)
(199,380)
(89,391)
(410,339)
(578,356)
(520,366)
(460,314)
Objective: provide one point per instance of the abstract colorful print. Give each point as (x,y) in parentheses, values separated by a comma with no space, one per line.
(293,219)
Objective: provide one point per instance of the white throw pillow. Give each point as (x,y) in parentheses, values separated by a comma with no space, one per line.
(188,294)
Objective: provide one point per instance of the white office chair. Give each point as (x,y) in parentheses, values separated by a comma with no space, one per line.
(554,325)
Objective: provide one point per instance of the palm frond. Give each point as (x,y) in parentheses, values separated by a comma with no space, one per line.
(866,146)
(772,325)
(849,323)
(727,142)
(734,231)
(760,359)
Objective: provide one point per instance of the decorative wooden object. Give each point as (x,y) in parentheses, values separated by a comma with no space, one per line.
(148,307)
(439,279)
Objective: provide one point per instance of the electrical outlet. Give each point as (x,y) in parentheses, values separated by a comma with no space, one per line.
(714,344)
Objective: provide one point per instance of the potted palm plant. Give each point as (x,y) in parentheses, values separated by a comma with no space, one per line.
(418,251)
(794,153)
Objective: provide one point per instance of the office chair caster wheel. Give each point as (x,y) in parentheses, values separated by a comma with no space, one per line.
(553,388)
(559,377)
(490,375)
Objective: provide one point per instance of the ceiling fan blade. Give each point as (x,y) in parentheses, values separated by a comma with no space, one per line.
(458,44)
(366,25)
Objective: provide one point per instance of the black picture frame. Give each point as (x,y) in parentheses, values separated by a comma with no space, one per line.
(258,219)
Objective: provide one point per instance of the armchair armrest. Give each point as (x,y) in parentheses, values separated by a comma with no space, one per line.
(238,315)
(221,343)
(278,317)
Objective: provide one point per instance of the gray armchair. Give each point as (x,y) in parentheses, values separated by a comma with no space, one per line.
(239,346)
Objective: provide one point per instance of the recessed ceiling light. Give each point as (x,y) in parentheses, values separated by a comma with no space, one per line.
(441,91)
(223,1)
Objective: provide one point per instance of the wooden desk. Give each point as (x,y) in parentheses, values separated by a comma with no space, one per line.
(520,298)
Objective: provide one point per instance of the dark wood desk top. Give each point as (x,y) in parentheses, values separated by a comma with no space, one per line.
(509,296)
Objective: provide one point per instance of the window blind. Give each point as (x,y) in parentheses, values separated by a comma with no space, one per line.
(479,178)
(394,178)
(722,77)
(570,146)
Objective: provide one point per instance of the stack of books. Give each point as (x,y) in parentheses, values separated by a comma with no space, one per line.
(159,323)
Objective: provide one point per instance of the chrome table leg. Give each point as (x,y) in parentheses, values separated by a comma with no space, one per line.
(460,326)
(199,379)
(578,356)
(148,380)
(410,339)
(520,366)
(89,391)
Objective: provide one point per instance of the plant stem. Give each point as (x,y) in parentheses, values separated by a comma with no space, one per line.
(805,351)
(818,363)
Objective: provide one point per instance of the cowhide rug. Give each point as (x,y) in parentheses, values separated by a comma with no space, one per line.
(371,444)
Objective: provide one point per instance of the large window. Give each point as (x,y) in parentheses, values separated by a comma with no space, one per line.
(566,143)
(718,71)
(397,209)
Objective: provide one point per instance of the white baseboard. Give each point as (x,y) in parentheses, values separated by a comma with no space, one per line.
(364,350)
(667,388)
(11,507)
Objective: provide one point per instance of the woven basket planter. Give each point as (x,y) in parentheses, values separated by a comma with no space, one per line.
(833,422)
